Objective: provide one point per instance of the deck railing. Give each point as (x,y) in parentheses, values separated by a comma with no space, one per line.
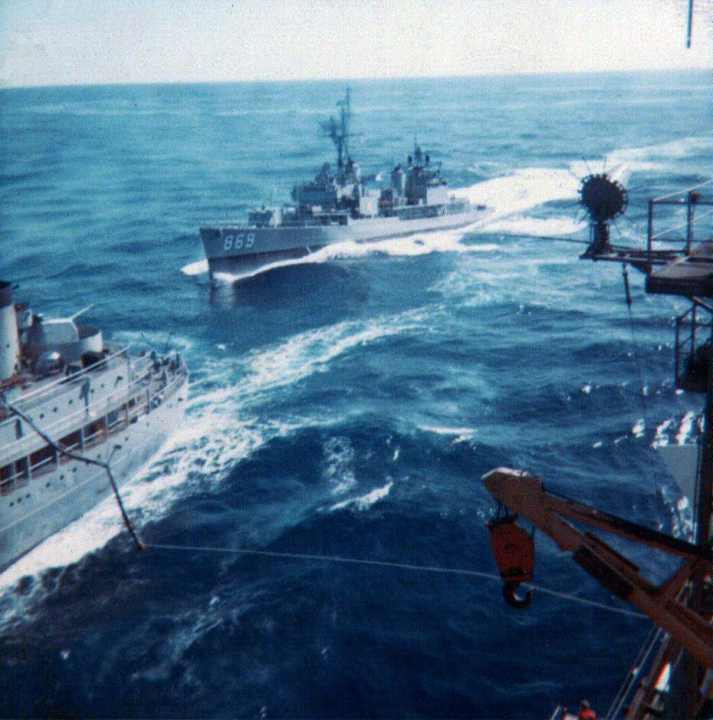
(687,223)
(142,392)
(692,348)
(46,390)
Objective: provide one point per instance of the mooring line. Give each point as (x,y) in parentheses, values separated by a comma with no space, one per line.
(392,565)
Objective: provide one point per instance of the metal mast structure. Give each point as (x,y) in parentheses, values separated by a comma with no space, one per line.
(339,132)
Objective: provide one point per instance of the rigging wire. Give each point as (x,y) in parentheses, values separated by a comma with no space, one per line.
(559,238)
(81,458)
(652,640)
(140,545)
(392,565)
(553,238)
(637,359)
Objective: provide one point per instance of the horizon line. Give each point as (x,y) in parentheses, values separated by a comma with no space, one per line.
(258,81)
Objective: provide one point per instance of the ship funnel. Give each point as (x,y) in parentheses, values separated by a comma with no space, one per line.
(9,340)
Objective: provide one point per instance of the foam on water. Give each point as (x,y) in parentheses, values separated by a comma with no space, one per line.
(195,450)
(411,246)
(312,351)
(339,464)
(199,267)
(461,434)
(638,428)
(507,195)
(516,327)
(224,425)
(524,189)
(650,157)
(535,227)
(364,502)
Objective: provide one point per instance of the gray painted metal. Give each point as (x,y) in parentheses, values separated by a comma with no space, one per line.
(56,493)
(242,246)
(339,206)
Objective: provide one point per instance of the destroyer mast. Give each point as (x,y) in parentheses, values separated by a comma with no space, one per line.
(339,133)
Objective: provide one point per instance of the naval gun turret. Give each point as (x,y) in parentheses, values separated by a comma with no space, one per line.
(73,342)
(32,345)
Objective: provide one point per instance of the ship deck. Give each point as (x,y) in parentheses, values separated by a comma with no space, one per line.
(35,390)
(690,275)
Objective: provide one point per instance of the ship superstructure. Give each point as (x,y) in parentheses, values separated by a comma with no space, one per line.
(673,675)
(67,398)
(339,205)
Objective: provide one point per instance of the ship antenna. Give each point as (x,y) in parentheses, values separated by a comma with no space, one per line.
(345,107)
(339,133)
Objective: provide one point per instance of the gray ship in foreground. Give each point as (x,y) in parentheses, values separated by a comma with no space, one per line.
(337,206)
(91,401)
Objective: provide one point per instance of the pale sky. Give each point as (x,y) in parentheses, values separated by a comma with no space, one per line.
(60,42)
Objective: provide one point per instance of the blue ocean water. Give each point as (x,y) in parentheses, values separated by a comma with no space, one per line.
(347,405)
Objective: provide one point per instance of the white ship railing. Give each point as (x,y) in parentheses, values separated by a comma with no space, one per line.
(45,390)
(683,215)
(140,378)
(144,397)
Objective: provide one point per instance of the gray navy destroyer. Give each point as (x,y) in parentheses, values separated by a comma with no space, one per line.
(68,405)
(338,206)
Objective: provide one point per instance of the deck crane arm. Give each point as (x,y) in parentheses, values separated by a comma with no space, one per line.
(525,495)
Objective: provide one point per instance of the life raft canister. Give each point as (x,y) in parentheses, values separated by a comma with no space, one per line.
(514,551)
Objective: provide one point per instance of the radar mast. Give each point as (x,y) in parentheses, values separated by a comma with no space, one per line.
(338,132)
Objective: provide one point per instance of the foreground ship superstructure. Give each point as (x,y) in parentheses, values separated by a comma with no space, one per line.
(338,206)
(65,396)
(672,677)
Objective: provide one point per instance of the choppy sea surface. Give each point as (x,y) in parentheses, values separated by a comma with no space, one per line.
(349,404)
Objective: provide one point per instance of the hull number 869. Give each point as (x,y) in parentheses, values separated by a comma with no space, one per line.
(238,242)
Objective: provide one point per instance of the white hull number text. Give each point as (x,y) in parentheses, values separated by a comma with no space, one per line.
(238,242)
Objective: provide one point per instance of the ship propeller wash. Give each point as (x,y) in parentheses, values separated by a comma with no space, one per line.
(339,206)
(77,418)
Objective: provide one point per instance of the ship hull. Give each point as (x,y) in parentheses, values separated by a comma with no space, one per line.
(245,250)
(49,503)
